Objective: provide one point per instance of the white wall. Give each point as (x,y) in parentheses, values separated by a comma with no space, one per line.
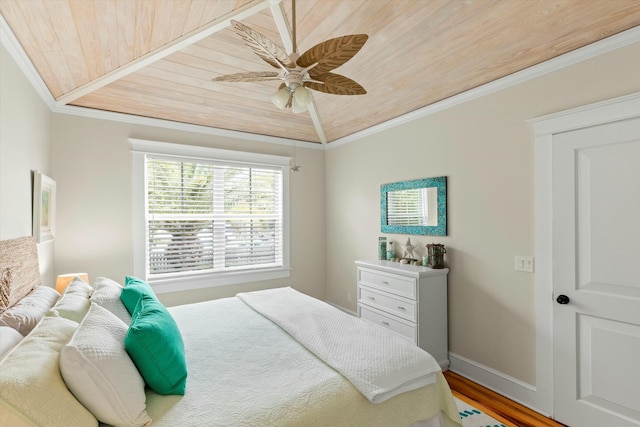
(93,164)
(24,146)
(485,148)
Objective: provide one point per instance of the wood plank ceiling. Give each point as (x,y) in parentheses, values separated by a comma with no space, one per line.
(156,58)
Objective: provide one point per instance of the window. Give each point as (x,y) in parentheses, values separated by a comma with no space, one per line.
(213,218)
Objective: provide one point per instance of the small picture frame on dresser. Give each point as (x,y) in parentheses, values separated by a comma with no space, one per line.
(44,207)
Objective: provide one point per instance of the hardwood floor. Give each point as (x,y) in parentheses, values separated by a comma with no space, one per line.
(499,407)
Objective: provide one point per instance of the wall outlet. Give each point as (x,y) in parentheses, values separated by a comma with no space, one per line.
(524,263)
(348,296)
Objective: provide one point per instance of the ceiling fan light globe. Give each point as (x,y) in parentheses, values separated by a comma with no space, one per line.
(281,98)
(298,108)
(302,97)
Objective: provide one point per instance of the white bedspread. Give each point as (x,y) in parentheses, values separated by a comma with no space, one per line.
(379,363)
(245,371)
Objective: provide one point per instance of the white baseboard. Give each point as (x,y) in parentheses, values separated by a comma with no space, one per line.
(512,388)
(346,310)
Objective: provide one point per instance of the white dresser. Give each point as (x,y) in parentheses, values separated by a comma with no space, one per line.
(407,299)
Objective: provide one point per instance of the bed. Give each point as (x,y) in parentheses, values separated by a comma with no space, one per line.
(266,358)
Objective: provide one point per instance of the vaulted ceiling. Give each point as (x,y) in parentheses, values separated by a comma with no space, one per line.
(156,58)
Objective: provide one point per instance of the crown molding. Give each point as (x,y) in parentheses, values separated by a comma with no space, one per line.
(603,46)
(186,127)
(592,50)
(14,48)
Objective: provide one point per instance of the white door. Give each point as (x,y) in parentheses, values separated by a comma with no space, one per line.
(596,275)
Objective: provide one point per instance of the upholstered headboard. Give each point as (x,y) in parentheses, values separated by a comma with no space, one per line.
(19,269)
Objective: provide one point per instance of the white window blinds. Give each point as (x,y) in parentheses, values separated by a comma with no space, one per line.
(413,207)
(207,216)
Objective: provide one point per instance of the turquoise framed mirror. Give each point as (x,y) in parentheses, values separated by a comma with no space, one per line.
(414,207)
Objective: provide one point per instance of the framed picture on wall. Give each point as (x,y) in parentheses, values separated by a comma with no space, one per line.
(44,207)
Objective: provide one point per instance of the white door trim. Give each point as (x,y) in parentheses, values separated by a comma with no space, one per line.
(544,129)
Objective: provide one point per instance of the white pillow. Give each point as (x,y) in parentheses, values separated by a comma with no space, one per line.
(9,338)
(74,302)
(32,392)
(80,287)
(99,372)
(24,315)
(107,295)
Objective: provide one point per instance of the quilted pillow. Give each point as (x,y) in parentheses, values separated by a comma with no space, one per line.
(24,315)
(79,287)
(107,294)
(156,347)
(99,372)
(9,338)
(32,391)
(74,303)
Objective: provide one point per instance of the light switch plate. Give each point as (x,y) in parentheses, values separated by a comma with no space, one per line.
(524,263)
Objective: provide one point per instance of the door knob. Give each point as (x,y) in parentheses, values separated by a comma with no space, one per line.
(563,299)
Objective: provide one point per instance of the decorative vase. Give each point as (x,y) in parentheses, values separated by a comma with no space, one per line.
(435,252)
(382,248)
(391,253)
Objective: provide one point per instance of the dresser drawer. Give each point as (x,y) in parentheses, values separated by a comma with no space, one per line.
(410,300)
(387,302)
(406,330)
(404,286)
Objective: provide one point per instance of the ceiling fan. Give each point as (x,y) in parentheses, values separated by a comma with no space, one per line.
(297,72)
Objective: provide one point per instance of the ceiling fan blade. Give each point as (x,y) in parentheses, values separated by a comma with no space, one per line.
(253,76)
(273,54)
(336,84)
(332,53)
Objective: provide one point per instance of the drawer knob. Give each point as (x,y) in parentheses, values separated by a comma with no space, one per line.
(401,307)
(385,283)
(384,323)
(372,298)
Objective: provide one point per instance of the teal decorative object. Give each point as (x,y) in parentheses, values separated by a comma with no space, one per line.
(153,340)
(391,251)
(155,346)
(414,207)
(382,248)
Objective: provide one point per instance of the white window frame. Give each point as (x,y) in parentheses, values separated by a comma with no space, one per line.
(140,149)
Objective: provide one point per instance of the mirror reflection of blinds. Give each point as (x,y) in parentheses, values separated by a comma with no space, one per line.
(412,207)
(208,217)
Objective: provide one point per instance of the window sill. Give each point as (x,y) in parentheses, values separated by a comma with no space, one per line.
(184,283)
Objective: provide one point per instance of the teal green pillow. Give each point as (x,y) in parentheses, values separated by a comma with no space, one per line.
(130,280)
(155,346)
(133,290)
